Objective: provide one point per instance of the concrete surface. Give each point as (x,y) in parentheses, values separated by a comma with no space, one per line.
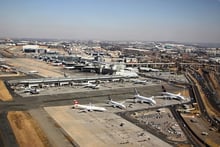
(101,128)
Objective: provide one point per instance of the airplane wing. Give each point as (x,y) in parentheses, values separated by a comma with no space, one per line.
(161,96)
(83,110)
(123,102)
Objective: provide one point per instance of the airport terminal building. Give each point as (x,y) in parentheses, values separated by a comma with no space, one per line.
(33,49)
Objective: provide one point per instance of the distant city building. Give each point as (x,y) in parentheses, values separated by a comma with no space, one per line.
(189,50)
(213,51)
(130,60)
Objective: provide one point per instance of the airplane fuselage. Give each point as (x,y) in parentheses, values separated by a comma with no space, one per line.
(117,104)
(173,96)
(143,99)
(89,107)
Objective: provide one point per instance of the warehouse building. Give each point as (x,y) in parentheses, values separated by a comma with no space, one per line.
(33,49)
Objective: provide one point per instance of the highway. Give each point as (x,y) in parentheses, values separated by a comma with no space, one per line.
(203,110)
(194,139)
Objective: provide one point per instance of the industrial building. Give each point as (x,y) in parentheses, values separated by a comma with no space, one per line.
(33,49)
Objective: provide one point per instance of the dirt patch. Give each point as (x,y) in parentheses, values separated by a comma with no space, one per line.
(185,93)
(4,93)
(26,130)
(6,53)
(28,64)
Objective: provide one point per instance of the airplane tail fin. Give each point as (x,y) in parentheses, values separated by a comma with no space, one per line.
(163,88)
(75,102)
(109,98)
(97,86)
(136,92)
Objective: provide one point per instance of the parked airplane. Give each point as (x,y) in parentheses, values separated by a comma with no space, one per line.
(171,95)
(69,67)
(90,85)
(31,90)
(56,63)
(86,108)
(87,85)
(143,99)
(116,104)
(33,72)
(137,81)
(147,69)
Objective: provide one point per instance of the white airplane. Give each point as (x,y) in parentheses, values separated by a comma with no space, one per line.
(69,67)
(93,86)
(86,108)
(147,69)
(171,95)
(143,99)
(116,104)
(33,72)
(87,85)
(137,81)
(31,90)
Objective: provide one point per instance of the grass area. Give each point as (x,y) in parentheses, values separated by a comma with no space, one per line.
(26,130)
(4,93)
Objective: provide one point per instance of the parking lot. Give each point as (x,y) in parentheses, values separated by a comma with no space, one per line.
(161,122)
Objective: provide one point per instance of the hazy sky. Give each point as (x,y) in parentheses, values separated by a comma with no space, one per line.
(149,20)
